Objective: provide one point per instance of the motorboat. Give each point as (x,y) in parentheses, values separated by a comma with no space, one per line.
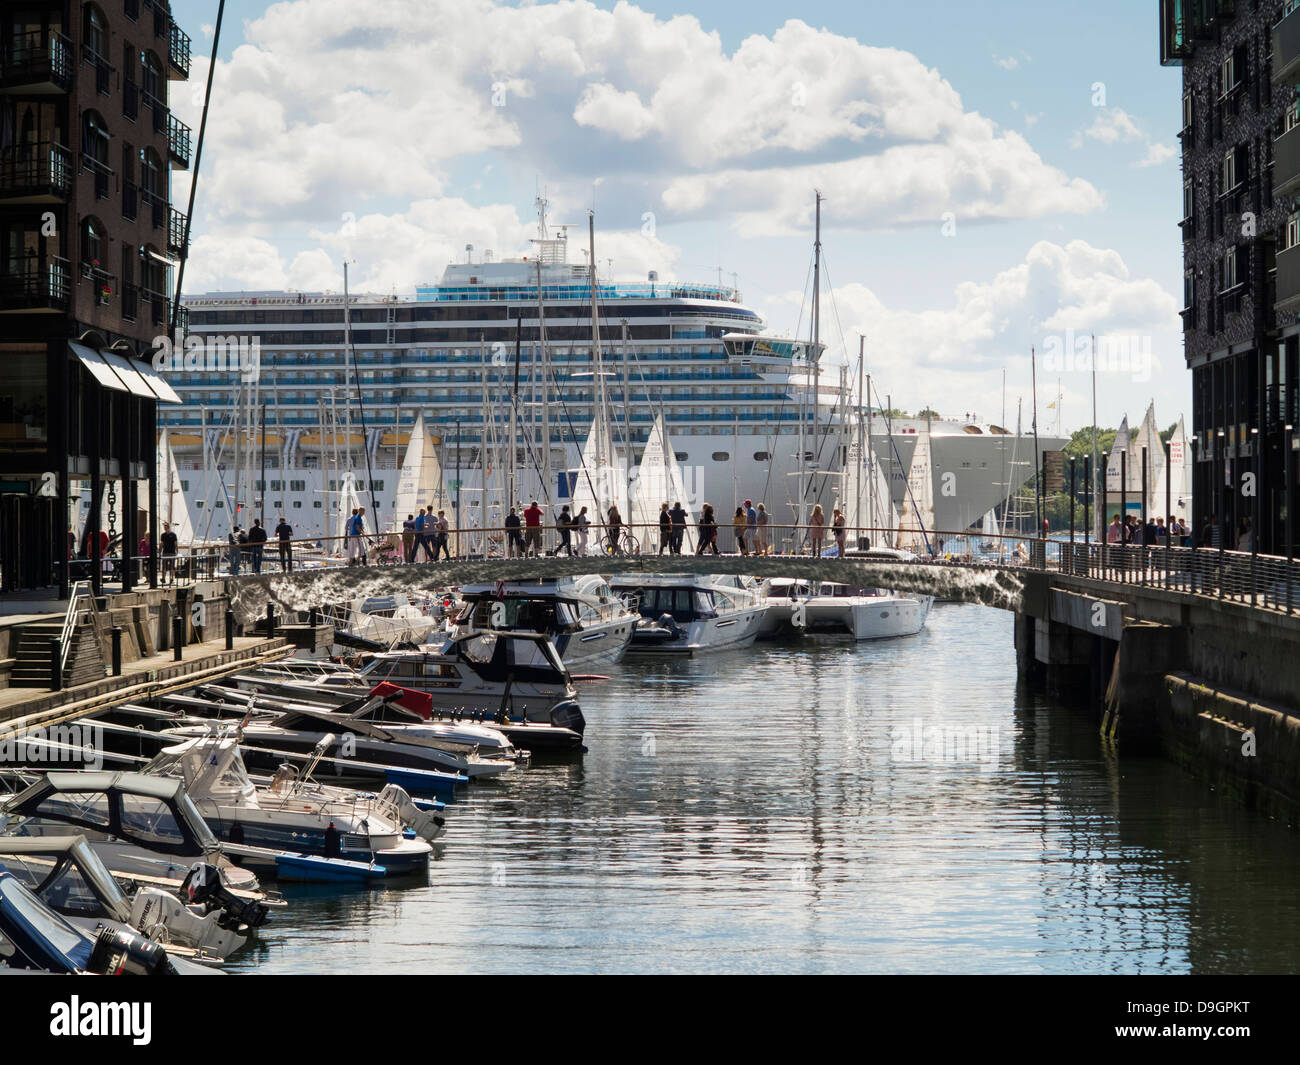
(588,624)
(203,920)
(832,607)
(516,680)
(146,825)
(373,728)
(295,812)
(35,938)
(685,614)
(387,619)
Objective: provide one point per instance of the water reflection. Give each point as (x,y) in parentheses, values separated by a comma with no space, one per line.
(823,807)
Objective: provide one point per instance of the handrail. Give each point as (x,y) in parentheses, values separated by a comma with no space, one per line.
(70,621)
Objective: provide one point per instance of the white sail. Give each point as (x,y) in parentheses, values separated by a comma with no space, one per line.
(916,516)
(348,498)
(600,481)
(865,498)
(172,507)
(1113,464)
(1179,473)
(420,483)
(658,480)
(1147,447)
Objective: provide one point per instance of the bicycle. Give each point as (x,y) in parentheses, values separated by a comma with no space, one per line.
(611,545)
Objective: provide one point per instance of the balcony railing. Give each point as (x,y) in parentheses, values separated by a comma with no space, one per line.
(35,173)
(162,18)
(37,61)
(1286,163)
(102,173)
(1286,48)
(159,111)
(175,231)
(1288,280)
(156,306)
(178,53)
(34,283)
(130,100)
(103,69)
(157,208)
(178,141)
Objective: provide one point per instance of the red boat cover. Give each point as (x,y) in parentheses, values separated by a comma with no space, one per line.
(417,702)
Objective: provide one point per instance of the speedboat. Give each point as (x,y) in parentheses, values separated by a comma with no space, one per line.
(295,812)
(581,616)
(373,728)
(203,921)
(35,938)
(686,614)
(515,680)
(828,606)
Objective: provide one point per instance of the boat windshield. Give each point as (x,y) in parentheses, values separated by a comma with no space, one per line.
(18,902)
(67,886)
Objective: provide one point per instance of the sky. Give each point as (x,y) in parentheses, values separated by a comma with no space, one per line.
(997,177)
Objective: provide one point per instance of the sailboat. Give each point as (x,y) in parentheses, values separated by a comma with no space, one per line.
(172,507)
(420,482)
(916,518)
(658,481)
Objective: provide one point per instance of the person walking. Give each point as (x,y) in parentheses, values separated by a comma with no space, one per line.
(256,541)
(408,538)
(678,515)
(234,538)
(533,530)
(583,526)
(615,526)
(817,529)
(708,531)
(284,534)
(665,529)
(761,517)
(564,524)
(356,529)
(170,546)
(514,538)
(837,526)
(751,526)
(739,527)
(442,529)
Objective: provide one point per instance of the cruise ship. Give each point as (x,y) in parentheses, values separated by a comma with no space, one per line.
(500,353)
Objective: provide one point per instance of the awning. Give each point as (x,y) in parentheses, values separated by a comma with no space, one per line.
(133,381)
(99,369)
(156,381)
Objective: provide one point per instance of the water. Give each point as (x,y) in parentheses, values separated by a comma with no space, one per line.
(770,810)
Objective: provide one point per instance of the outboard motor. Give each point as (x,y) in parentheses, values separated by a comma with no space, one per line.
(568,715)
(118,952)
(427,824)
(203,886)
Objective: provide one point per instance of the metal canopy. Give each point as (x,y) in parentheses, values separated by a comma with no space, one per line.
(99,369)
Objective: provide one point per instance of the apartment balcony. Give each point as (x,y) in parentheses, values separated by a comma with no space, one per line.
(101,172)
(156,206)
(37,63)
(35,173)
(1286,164)
(154,307)
(178,142)
(1286,46)
(1288,280)
(178,52)
(35,285)
(176,223)
(102,67)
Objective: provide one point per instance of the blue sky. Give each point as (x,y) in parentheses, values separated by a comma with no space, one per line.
(1030,122)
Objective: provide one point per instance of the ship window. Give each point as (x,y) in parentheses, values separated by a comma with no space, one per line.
(761,456)
(721,456)
(680,456)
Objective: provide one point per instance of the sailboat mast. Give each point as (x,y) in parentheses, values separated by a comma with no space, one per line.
(598,378)
(817,335)
(862,450)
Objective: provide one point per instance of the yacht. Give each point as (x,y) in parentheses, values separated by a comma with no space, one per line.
(295,811)
(581,616)
(684,614)
(828,606)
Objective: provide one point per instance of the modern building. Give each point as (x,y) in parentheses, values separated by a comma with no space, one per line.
(88,240)
(1240,62)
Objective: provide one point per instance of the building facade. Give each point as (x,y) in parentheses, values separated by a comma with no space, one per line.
(88,241)
(1240,148)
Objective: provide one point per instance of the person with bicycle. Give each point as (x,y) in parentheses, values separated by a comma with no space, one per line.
(615,525)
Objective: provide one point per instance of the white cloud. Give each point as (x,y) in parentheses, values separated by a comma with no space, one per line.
(1114,125)
(952,357)
(1006,62)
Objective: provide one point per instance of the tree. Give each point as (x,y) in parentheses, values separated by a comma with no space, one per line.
(930,413)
